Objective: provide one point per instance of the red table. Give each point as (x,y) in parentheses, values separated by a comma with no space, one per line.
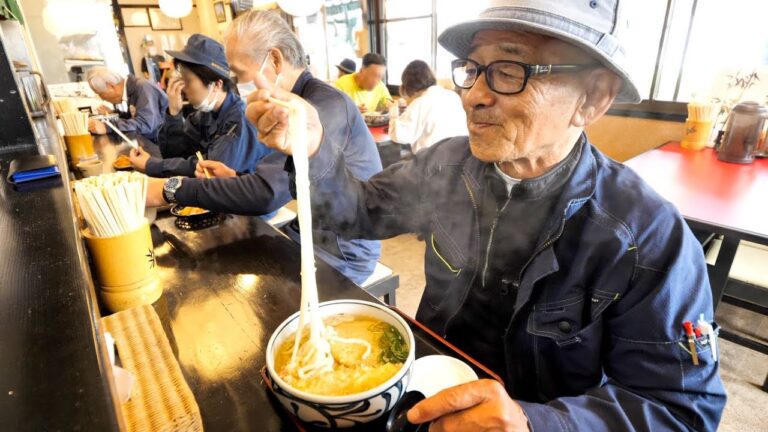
(380,133)
(715,197)
(732,197)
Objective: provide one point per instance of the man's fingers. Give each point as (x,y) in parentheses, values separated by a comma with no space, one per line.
(261,82)
(271,121)
(208,164)
(450,400)
(474,418)
(260,95)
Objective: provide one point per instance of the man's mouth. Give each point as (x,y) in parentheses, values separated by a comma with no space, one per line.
(477,126)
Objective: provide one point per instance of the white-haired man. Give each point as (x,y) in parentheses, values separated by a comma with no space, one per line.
(140,104)
(555,266)
(262,41)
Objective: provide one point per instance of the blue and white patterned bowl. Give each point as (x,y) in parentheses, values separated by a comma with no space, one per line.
(349,410)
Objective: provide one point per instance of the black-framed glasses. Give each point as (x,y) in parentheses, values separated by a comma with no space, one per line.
(506,77)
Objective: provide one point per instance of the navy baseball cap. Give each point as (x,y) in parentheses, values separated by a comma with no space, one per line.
(204,51)
(347,65)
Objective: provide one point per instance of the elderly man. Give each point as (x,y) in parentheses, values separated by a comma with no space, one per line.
(366,87)
(555,266)
(140,104)
(262,41)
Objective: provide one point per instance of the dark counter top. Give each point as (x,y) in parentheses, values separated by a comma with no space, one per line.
(51,371)
(226,289)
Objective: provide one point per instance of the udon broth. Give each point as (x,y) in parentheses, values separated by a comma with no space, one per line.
(353,370)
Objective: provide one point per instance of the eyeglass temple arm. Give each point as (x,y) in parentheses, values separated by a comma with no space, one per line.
(550,69)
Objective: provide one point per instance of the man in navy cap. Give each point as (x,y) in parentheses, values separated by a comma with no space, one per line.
(217,128)
(261,45)
(558,268)
(140,104)
(346,67)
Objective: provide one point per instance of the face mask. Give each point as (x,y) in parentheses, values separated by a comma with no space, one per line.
(249,87)
(245,89)
(209,102)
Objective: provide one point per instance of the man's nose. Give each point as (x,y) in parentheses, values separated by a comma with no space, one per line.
(479,94)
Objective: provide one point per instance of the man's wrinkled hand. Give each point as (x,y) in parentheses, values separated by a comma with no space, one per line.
(139,158)
(272,120)
(482,405)
(97,127)
(215,169)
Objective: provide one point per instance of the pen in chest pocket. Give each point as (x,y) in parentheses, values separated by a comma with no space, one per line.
(688,326)
(708,331)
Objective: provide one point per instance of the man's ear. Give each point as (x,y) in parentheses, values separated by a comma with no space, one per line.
(277,57)
(601,87)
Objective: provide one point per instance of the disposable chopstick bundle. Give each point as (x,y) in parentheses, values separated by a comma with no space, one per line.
(75,123)
(700,111)
(112,204)
(64,105)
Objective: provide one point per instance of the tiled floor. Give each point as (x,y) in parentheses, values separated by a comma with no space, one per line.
(742,370)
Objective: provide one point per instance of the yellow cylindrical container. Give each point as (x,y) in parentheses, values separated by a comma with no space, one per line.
(79,146)
(125,268)
(696,134)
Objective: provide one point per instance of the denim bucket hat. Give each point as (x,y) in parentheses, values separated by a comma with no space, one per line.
(595,26)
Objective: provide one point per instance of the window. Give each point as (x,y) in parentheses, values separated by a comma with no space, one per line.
(343,25)
(411,28)
(723,35)
(683,49)
(407,40)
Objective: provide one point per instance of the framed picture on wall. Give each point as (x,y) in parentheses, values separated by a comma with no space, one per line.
(135,16)
(160,21)
(221,14)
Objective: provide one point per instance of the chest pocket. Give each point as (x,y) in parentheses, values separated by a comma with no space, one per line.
(565,321)
(444,262)
(568,342)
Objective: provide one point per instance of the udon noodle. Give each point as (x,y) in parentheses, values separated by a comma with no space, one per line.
(311,355)
(366,352)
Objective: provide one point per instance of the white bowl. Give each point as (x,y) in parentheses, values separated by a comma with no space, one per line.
(91,168)
(348,410)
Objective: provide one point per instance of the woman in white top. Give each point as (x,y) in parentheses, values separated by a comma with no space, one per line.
(433,114)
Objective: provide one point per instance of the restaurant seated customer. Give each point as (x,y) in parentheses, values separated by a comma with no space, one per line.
(262,41)
(555,266)
(346,67)
(139,103)
(433,113)
(365,87)
(217,128)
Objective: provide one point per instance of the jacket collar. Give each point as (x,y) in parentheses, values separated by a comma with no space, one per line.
(229,102)
(211,121)
(579,187)
(130,87)
(301,82)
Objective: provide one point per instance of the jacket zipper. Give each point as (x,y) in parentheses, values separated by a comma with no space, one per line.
(490,238)
(541,248)
(474,274)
